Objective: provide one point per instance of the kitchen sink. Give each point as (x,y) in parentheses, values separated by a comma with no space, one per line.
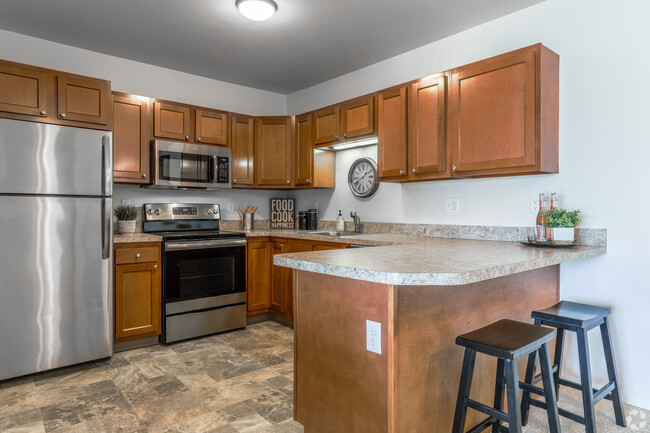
(336,234)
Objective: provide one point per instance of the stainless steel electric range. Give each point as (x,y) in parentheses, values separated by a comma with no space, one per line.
(203,270)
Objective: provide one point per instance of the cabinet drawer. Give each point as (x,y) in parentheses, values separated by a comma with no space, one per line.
(136,255)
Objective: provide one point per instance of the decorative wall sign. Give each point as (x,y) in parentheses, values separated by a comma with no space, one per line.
(283,213)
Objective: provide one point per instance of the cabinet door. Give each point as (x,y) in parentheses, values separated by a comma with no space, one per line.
(23,90)
(138,306)
(427,126)
(392,133)
(492,114)
(304,150)
(211,127)
(358,117)
(171,121)
(327,125)
(242,143)
(258,281)
(273,151)
(293,247)
(83,99)
(278,280)
(130,139)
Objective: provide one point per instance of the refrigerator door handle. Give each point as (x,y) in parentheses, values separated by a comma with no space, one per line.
(106,227)
(107,166)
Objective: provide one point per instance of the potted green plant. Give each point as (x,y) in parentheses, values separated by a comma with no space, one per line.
(126,215)
(562,223)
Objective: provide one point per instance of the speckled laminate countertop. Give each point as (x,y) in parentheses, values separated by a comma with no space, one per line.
(410,260)
(136,237)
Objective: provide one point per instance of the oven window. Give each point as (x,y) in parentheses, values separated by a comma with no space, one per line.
(194,274)
(185,167)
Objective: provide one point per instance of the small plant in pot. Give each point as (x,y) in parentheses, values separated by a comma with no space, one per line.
(126,216)
(562,223)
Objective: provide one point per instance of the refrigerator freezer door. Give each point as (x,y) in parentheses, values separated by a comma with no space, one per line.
(37,158)
(56,298)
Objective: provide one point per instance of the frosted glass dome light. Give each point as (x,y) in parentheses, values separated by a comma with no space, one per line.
(257,10)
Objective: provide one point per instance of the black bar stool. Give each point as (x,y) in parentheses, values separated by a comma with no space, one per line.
(507,340)
(579,318)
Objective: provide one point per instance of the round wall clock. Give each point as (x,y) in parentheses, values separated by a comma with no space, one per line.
(362,177)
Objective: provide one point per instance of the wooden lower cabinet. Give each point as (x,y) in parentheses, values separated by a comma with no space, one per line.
(138,304)
(270,288)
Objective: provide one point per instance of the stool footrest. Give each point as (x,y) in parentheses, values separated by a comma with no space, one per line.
(490,411)
(538,377)
(530,388)
(563,412)
(487,422)
(576,385)
(604,391)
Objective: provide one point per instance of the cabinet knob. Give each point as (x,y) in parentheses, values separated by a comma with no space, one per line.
(187,137)
(401,172)
(198,138)
(43,112)
(234,181)
(288,181)
(281,245)
(144,175)
(453,168)
(155,266)
(62,114)
(413,170)
(336,137)
(345,135)
(308,180)
(137,256)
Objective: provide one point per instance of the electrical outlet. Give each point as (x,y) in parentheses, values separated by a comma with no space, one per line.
(231,206)
(534,204)
(373,336)
(127,202)
(453,205)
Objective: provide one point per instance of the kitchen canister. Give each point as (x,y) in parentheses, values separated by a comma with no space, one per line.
(247,221)
(312,219)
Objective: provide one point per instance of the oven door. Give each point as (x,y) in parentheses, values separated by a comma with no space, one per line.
(203,274)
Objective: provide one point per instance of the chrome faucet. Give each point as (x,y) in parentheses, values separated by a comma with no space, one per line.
(357,221)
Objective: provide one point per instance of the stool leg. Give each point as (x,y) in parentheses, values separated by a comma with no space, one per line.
(549,389)
(463,390)
(512,385)
(612,372)
(498,393)
(557,360)
(585,380)
(525,398)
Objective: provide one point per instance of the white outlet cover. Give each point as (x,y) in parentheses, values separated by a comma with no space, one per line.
(534,204)
(452,205)
(373,336)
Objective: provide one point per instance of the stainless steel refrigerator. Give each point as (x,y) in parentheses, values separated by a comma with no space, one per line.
(56,296)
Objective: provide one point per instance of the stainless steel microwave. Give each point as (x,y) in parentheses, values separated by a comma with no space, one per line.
(189,166)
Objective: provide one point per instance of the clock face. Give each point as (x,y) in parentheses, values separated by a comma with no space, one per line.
(362,177)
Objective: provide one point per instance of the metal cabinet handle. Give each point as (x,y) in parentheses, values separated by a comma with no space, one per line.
(288,181)
(308,180)
(43,112)
(345,135)
(144,175)
(137,256)
(187,137)
(413,170)
(198,138)
(155,266)
(281,245)
(234,181)
(62,114)
(453,168)
(336,137)
(401,172)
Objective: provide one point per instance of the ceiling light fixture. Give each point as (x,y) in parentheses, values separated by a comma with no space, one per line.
(257,10)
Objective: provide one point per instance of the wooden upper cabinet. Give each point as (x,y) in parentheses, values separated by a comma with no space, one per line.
(131,137)
(243,153)
(327,125)
(504,114)
(304,159)
(83,99)
(23,90)
(171,121)
(258,276)
(358,117)
(428,154)
(392,133)
(211,127)
(273,151)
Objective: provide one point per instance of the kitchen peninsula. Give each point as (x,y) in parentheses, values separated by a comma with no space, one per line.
(424,292)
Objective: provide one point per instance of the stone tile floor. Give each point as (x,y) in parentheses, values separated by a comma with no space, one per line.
(240,381)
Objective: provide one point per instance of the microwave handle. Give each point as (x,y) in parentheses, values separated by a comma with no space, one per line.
(215,169)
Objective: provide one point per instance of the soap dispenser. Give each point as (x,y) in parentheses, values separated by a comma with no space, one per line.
(340,222)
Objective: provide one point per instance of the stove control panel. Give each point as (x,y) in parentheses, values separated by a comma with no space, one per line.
(181,211)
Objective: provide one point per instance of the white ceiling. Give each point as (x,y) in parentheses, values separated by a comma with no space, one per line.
(307,41)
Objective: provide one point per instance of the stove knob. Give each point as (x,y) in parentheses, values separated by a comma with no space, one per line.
(209,211)
(149,211)
(157,211)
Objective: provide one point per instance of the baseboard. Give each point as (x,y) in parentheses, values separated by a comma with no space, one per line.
(250,320)
(121,346)
(636,399)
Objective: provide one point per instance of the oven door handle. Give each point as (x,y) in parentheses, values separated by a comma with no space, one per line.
(203,245)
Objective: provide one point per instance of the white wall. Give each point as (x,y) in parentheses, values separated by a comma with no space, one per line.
(139,78)
(604,150)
